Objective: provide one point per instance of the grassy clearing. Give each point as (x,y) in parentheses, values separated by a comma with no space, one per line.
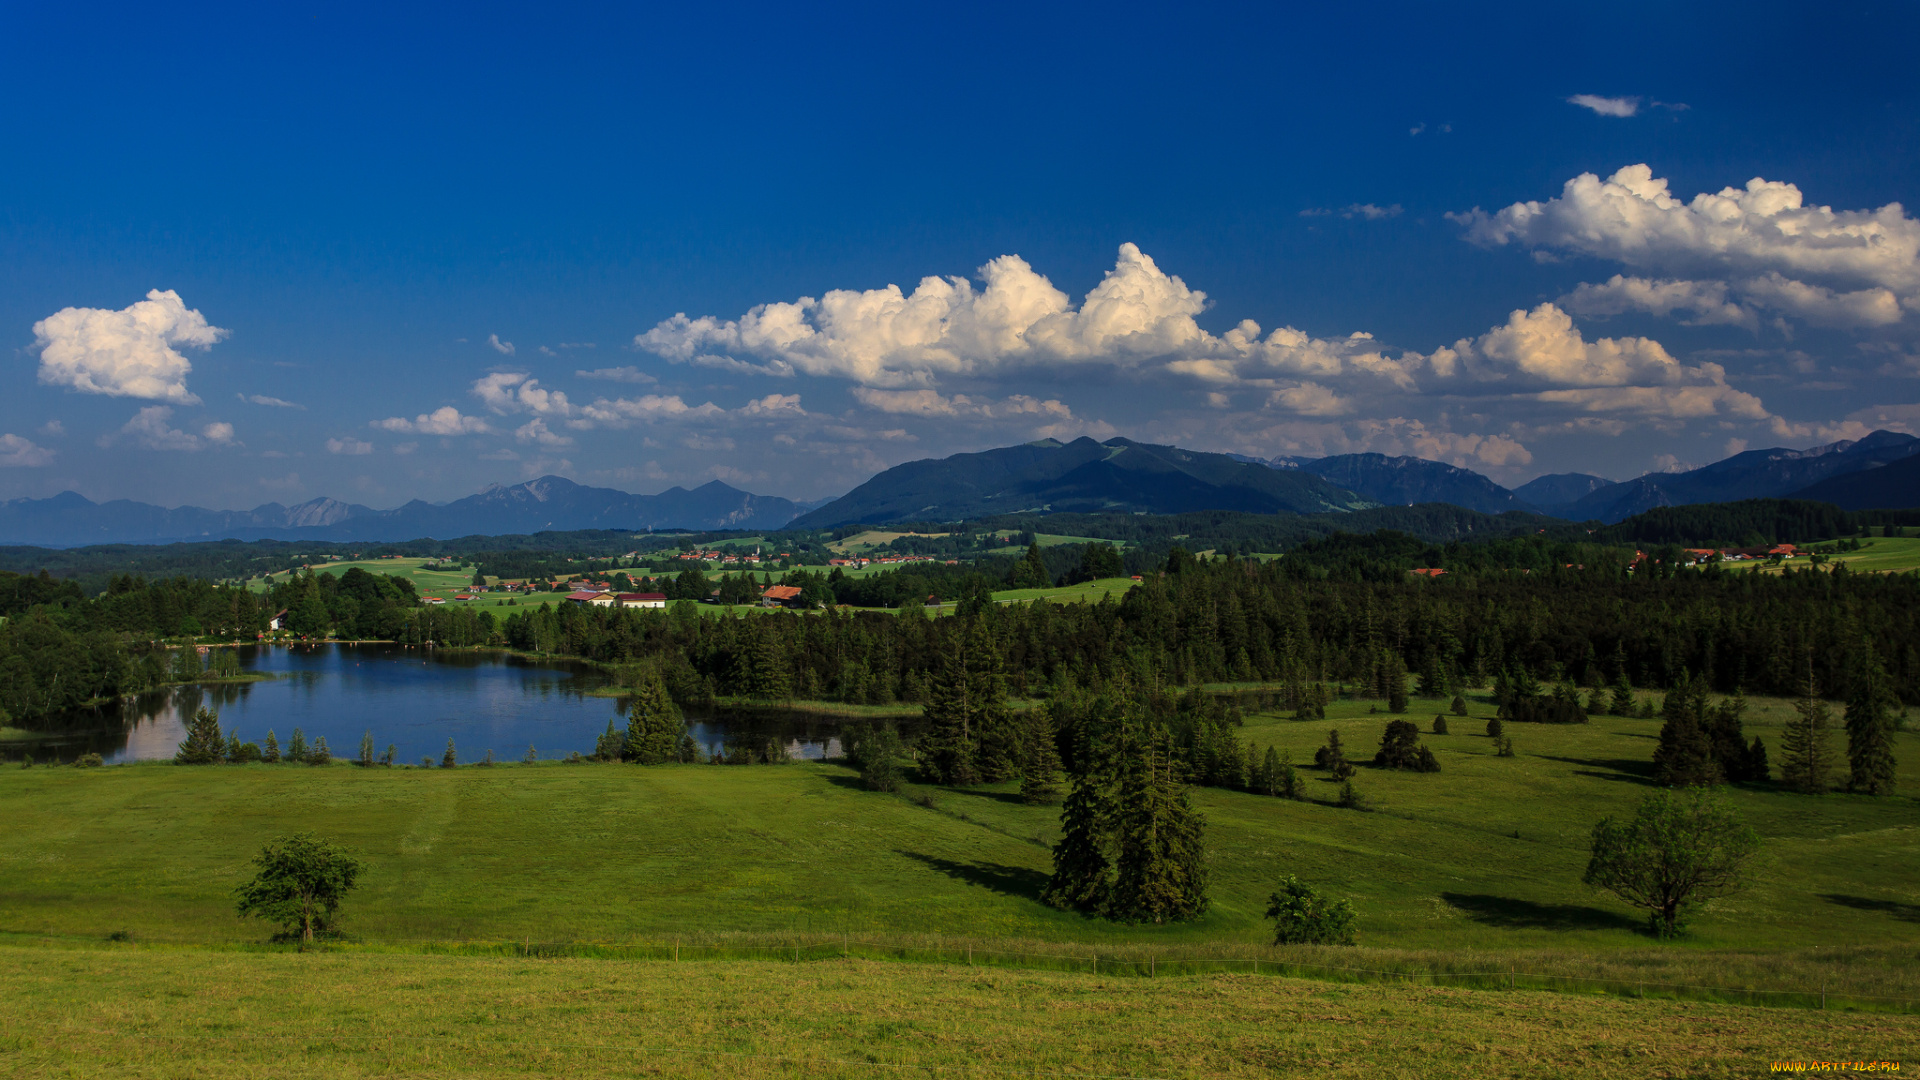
(874,538)
(133,1012)
(1090,592)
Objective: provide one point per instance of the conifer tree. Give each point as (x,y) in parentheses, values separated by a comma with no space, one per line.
(1685,756)
(1039,758)
(1269,779)
(1458,705)
(1160,869)
(610,745)
(297,746)
(1289,784)
(366,750)
(761,672)
(1806,755)
(270,750)
(970,735)
(1333,757)
(653,722)
(1622,700)
(1082,872)
(1870,727)
(1031,571)
(320,755)
(449,759)
(204,744)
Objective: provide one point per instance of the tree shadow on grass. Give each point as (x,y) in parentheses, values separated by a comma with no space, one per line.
(1001,878)
(1509,913)
(1903,912)
(1631,770)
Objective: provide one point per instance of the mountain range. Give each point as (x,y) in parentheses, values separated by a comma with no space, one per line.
(549,503)
(1881,470)
(1083,476)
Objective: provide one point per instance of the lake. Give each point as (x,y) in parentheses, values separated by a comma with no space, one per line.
(415,699)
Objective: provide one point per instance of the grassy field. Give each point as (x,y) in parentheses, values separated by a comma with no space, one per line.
(1090,592)
(1475,869)
(1486,854)
(127,1011)
(1878,555)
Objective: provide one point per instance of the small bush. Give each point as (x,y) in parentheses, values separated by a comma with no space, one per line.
(1303,917)
(533,756)
(1494,727)
(575,759)
(88,761)
(449,759)
(1459,705)
(246,751)
(1350,797)
(1503,747)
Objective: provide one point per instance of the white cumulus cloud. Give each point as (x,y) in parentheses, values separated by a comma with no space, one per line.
(349,447)
(494,342)
(1138,317)
(17,451)
(127,353)
(516,391)
(1738,233)
(445,420)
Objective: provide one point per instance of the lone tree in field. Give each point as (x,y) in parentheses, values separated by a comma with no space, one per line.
(1680,847)
(1400,748)
(1870,727)
(1160,872)
(300,883)
(1304,917)
(1806,751)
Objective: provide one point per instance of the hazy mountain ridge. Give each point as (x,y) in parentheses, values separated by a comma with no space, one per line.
(548,503)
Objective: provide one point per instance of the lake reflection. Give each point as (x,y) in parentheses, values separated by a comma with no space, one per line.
(415,699)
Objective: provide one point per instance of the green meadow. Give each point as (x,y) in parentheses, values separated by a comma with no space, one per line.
(1485,855)
(525,920)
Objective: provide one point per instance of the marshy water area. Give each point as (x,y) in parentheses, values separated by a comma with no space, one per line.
(415,699)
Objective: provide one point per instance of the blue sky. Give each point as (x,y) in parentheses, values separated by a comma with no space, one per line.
(358,213)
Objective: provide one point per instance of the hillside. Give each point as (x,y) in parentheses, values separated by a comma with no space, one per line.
(1084,476)
(1753,474)
(1893,486)
(1404,481)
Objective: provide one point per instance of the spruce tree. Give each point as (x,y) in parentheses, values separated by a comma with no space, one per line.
(610,745)
(1806,756)
(297,746)
(320,755)
(1160,868)
(204,744)
(1870,708)
(1039,758)
(1031,571)
(1289,785)
(1622,702)
(1458,705)
(653,722)
(449,759)
(970,734)
(1685,756)
(1082,872)
(1270,773)
(270,750)
(1333,757)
